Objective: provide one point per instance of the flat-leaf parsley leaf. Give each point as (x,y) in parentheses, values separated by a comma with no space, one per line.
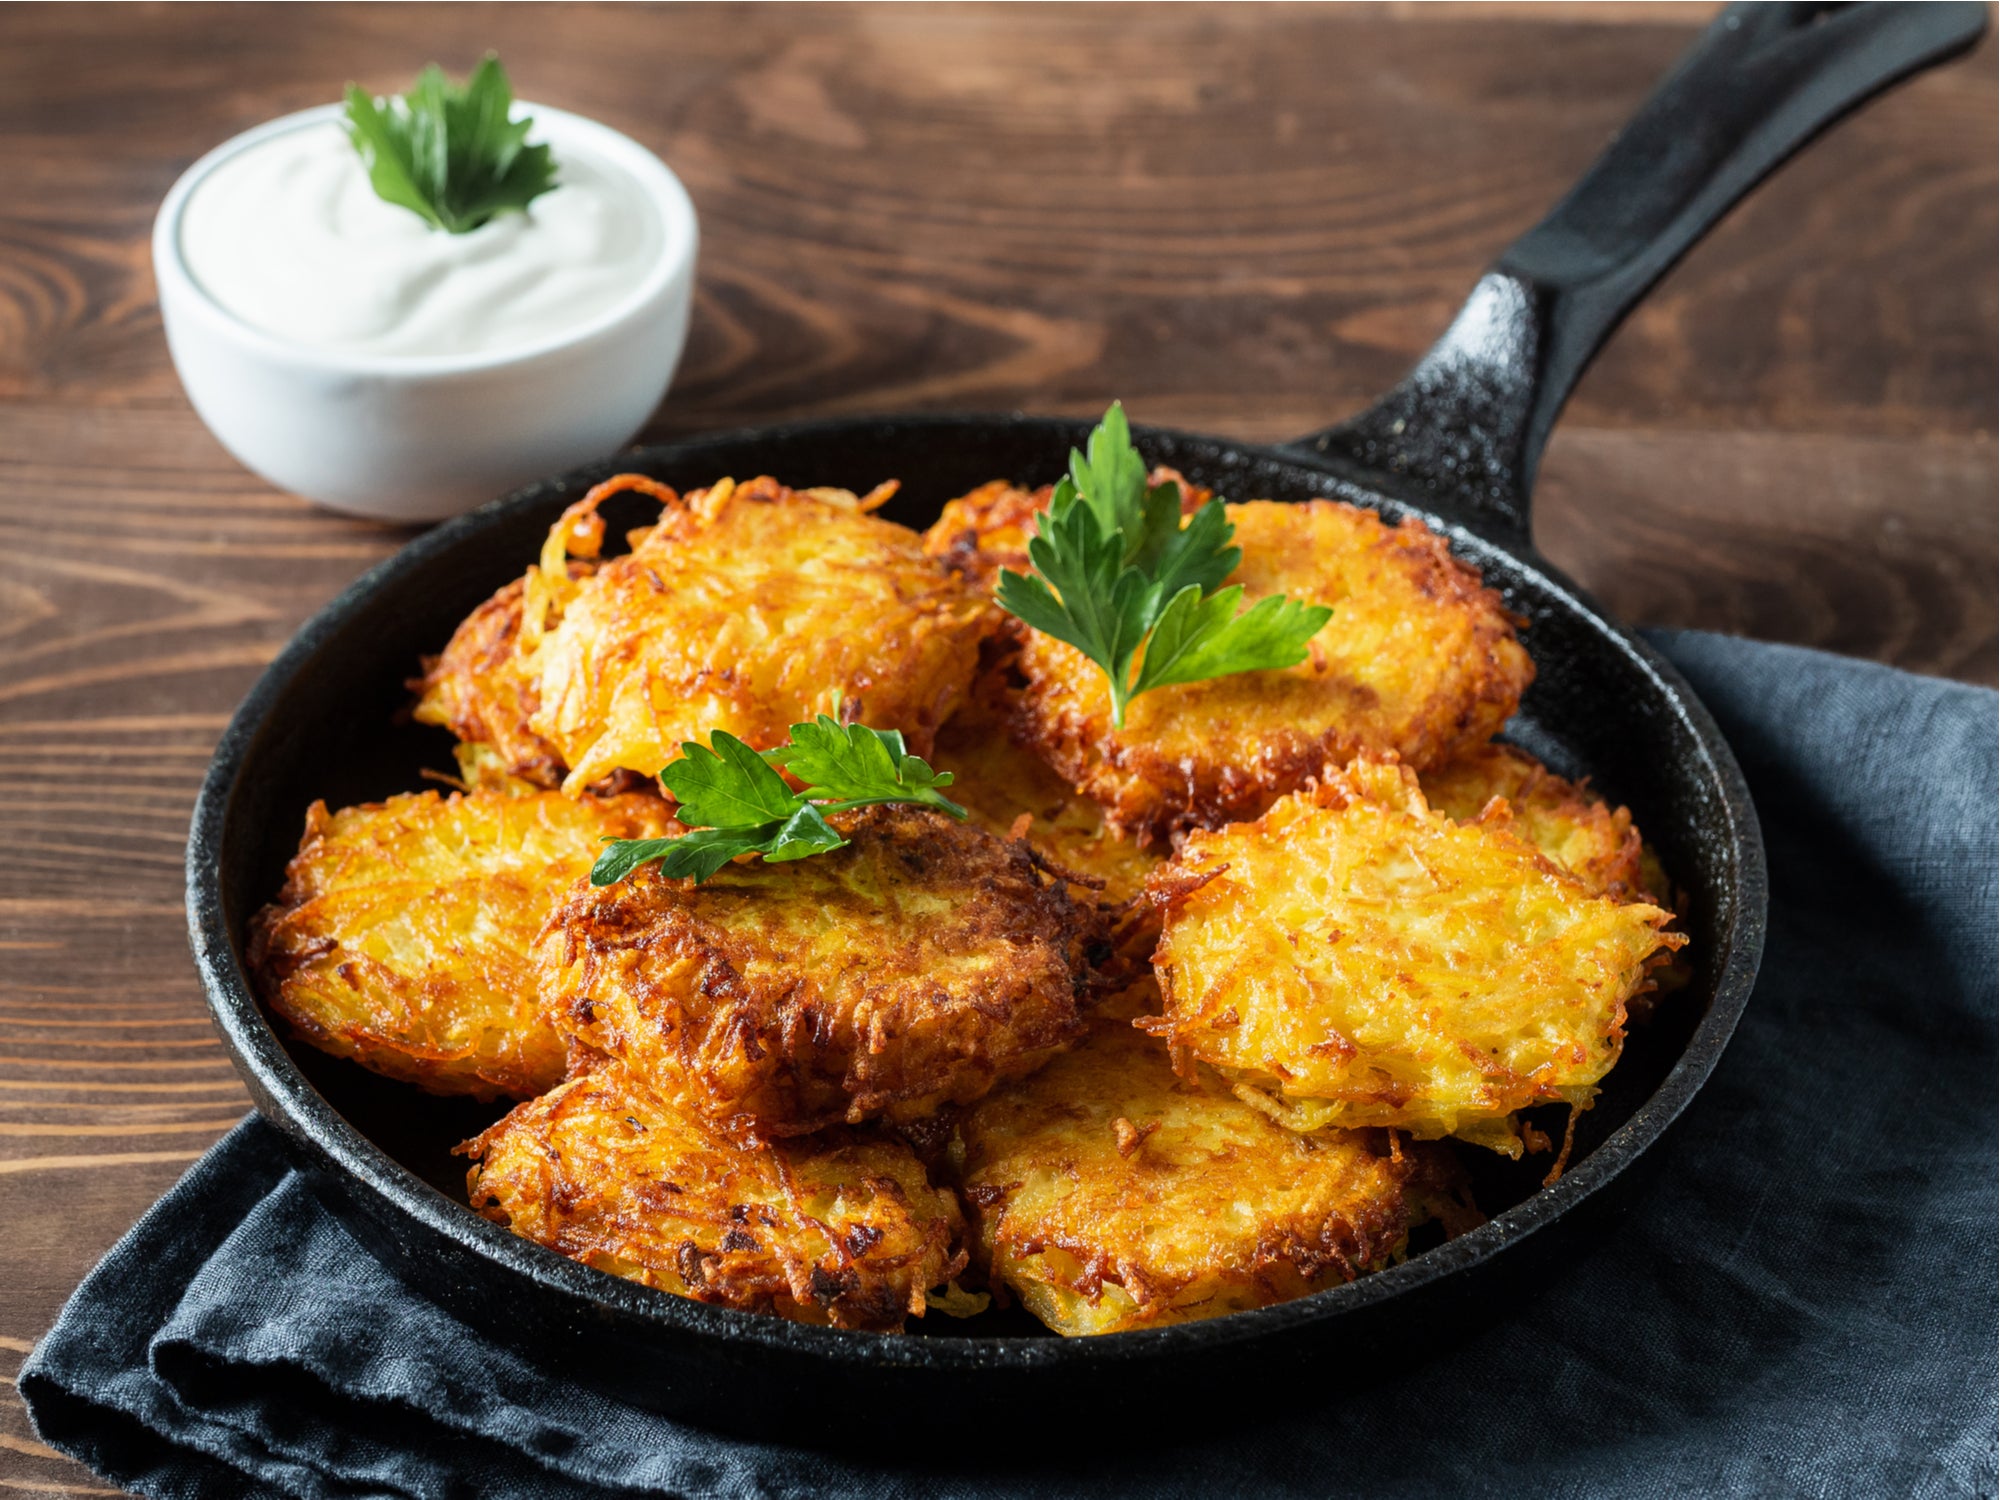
(735,803)
(1117,575)
(448,152)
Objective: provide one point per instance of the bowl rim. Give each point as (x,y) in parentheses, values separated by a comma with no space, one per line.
(341,1149)
(664,192)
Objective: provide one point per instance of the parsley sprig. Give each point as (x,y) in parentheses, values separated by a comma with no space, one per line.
(737,804)
(448,152)
(1117,575)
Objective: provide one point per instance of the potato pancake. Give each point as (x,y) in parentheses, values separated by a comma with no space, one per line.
(1593,841)
(1000,783)
(481,689)
(918,965)
(987,530)
(748,608)
(1355,958)
(1419,660)
(1107,1193)
(839,1229)
(402,936)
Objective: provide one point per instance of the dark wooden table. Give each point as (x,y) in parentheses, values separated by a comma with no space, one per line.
(1241,219)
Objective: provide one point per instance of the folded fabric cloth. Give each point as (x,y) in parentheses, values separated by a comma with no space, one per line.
(1803,1303)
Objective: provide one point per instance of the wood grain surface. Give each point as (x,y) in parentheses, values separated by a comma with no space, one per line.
(1241,219)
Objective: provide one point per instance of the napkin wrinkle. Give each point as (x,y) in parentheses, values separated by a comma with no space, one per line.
(111,1411)
(1802,1302)
(1932,857)
(221,1363)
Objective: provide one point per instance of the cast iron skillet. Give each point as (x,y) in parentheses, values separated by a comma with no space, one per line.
(1455,444)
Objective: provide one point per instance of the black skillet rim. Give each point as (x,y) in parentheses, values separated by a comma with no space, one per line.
(291,1103)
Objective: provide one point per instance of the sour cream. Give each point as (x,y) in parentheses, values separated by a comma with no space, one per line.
(290,237)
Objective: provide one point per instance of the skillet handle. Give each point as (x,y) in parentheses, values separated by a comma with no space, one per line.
(1468,424)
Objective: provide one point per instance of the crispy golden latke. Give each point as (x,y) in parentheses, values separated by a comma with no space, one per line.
(481,689)
(748,608)
(401,937)
(1593,841)
(1355,958)
(1419,659)
(1000,783)
(917,966)
(839,1229)
(987,530)
(1106,1193)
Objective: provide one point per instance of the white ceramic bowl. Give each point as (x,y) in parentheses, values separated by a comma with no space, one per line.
(417,438)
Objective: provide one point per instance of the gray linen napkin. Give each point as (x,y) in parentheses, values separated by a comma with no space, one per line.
(1803,1303)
